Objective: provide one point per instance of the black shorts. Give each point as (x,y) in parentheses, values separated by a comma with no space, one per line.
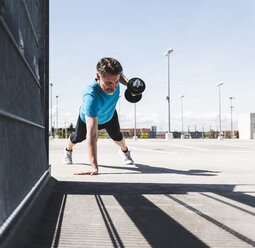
(112,127)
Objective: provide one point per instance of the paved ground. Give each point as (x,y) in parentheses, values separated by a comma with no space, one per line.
(180,193)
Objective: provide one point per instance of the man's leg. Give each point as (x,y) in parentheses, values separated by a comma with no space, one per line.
(78,136)
(68,153)
(70,145)
(113,129)
(122,144)
(124,152)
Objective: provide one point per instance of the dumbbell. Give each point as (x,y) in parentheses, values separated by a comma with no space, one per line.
(135,88)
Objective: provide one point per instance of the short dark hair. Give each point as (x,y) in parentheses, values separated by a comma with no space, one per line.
(109,66)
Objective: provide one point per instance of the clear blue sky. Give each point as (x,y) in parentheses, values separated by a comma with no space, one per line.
(213,41)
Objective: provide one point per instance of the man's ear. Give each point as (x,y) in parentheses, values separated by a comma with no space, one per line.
(98,76)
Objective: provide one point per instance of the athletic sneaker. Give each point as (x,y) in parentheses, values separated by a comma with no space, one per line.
(67,157)
(126,157)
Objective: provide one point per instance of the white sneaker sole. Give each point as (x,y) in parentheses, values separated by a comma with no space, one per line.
(64,162)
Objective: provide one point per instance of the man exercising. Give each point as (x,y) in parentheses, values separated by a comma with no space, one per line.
(97,112)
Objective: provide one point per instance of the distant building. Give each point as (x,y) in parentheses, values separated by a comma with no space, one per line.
(153,132)
(246,126)
(161,135)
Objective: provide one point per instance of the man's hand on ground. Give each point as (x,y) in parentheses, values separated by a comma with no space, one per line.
(90,172)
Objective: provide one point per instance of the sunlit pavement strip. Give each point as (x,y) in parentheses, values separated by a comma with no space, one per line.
(150,150)
(174,196)
(234,145)
(192,148)
(209,221)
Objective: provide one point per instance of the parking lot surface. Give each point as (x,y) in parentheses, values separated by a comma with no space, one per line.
(179,193)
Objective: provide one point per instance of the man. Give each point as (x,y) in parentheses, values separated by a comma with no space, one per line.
(98,112)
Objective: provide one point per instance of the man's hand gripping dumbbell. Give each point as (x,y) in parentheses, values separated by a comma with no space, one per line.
(135,88)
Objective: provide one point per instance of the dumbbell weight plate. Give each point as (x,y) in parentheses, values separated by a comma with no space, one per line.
(132,98)
(136,85)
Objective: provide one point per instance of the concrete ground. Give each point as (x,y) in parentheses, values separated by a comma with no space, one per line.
(180,193)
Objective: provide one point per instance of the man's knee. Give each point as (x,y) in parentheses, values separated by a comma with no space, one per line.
(117,137)
(74,139)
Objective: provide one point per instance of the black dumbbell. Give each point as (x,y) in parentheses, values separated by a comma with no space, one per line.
(135,88)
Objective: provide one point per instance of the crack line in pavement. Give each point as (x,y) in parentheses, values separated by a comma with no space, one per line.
(151,150)
(192,148)
(250,147)
(217,223)
(229,204)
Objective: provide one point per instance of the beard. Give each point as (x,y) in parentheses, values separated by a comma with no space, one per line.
(110,91)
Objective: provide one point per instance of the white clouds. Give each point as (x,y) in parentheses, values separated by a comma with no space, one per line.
(65,118)
(143,120)
(191,120)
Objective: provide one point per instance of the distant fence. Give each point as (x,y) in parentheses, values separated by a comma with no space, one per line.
(64,133)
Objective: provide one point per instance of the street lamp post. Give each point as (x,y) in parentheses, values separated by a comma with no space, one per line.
(56,117)
(167,53)
(182,134)
(231,110)
(135,137)
(119,108)
(218,85)
(51,134)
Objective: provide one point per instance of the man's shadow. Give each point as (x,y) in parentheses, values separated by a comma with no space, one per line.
(148,169)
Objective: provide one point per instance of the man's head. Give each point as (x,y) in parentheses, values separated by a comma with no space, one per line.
(108,74)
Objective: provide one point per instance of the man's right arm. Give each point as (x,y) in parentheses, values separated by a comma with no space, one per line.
(123,79)
(92,127)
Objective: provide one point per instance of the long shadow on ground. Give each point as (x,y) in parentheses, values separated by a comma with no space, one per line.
(148,169)
(158,228)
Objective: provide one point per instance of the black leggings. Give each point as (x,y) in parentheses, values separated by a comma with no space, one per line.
(112,127)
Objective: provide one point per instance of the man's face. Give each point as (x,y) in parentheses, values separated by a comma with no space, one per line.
(109,83)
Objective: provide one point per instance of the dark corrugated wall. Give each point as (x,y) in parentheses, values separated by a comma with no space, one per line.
(24,66)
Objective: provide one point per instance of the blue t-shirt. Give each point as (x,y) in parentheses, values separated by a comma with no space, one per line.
(97,103)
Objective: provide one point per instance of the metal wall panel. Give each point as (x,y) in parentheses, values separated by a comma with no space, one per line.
(23,99)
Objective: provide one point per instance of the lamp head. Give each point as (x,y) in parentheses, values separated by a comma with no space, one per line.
(170,50)
(219,84)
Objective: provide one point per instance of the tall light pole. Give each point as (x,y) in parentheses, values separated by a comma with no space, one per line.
(135,137)
(56,136)
(218,85)
(119,108)
(182,134)
(51,134)
(167,53)
(231,110)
